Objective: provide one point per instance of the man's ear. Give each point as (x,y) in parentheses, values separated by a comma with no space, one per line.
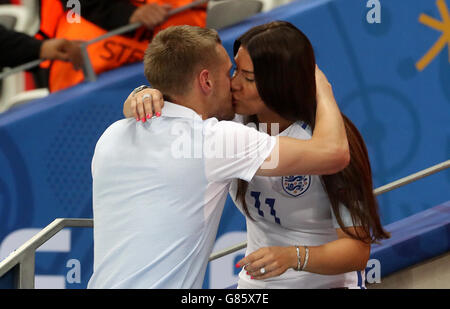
(204,79)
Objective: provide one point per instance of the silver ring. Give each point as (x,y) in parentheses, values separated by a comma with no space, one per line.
(262,270)
(145,96)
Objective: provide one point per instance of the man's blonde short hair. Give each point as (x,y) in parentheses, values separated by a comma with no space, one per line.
(176,54)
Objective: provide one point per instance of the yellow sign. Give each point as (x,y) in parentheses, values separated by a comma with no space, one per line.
(440,25)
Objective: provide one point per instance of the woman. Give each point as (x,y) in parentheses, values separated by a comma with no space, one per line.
(303,231)
(334,218)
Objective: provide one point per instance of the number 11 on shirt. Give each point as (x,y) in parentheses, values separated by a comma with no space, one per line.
(269,202)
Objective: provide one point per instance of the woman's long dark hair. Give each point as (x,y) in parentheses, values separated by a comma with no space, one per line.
(284,66)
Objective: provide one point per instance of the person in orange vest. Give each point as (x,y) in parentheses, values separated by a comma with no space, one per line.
(88,19)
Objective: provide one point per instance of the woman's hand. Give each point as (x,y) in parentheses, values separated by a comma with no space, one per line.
(274,260)
(144,104)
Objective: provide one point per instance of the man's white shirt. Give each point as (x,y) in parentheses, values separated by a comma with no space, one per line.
(158,193)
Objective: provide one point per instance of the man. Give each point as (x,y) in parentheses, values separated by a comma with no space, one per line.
(159,188)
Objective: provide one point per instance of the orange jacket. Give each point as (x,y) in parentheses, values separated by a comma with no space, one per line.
(106,54)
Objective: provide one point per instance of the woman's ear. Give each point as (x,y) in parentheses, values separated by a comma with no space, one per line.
(205,82)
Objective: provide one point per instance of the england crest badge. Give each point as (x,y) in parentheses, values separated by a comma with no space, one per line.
(296,185)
